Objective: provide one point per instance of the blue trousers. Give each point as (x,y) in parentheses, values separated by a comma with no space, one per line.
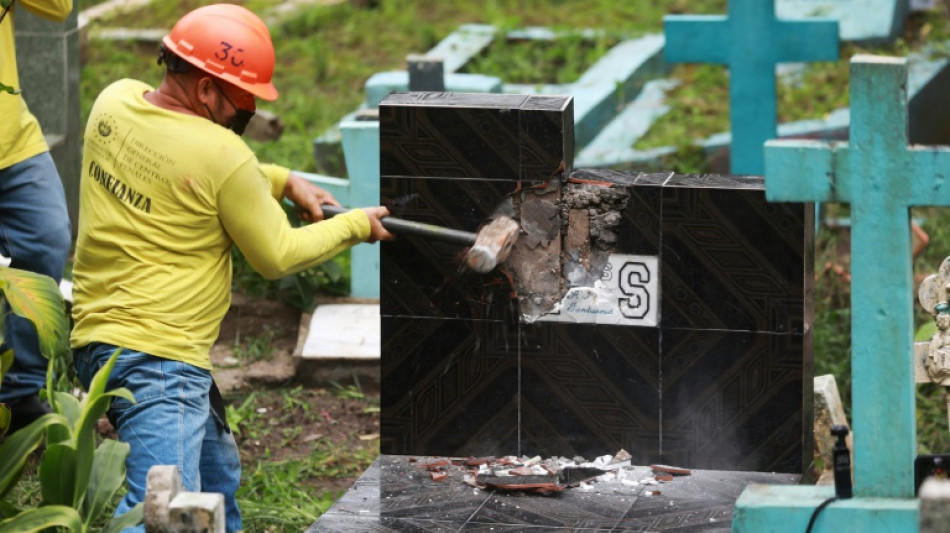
(35,235)
(170,424)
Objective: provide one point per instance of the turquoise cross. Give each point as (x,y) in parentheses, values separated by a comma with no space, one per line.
(881,177)
(751,41)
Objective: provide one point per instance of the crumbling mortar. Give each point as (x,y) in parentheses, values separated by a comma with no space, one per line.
(568,231)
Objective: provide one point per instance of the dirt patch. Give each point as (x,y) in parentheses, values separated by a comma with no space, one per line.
(256,344)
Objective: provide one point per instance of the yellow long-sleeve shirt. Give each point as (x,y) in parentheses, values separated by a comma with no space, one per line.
(20,134)
(163,196)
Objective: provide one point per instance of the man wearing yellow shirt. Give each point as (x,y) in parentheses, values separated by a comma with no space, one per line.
(167,188)
(34,223)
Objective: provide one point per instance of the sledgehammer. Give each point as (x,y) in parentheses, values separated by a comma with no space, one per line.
(487,249)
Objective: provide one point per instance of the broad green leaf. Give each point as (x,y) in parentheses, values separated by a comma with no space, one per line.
(4,88)
(93,406)
(129,519)
(7,510)
(18,446)
(108,474)
(40,518)
(67,405)
(97,386)
(6,359)
(58,475)
(5,416)
(37,298)
(85,439)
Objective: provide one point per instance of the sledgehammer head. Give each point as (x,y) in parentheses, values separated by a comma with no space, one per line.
(492,245)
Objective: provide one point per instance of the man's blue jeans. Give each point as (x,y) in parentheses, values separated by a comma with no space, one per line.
(170,424)
(35,235)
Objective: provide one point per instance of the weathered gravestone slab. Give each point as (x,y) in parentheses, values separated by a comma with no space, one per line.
(861,20)
(701,358)
(751,41)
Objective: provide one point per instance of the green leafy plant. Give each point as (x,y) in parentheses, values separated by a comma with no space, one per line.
(78,479)
(7,89)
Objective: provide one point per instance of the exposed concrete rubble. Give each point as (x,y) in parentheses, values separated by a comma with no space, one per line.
(534,264)
(568,232)
(552,475)
(590,216)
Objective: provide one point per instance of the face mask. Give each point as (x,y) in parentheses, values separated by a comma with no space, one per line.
(241,116)
(239,122)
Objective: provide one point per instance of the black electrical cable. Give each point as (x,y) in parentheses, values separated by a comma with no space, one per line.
(814,514)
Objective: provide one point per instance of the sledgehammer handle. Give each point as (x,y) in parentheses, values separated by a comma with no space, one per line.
(419,229)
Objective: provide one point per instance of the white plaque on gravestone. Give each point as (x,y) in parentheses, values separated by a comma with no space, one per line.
(626,295)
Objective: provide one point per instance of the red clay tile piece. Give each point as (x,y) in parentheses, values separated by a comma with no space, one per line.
(435,465)
(521,471)
(538,487)
(675,470)
(663,477)
(438,476)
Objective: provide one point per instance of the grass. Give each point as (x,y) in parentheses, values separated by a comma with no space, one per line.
(284,490)
(699,105)
(535,61)
(254,348)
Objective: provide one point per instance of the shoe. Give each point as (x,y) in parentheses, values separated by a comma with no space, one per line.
(23,411)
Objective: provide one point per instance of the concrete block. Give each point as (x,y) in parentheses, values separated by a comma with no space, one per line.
(425,73)
(162,484)
(196,512)
(874,21)
(934,497)
(828,412)
(342,331)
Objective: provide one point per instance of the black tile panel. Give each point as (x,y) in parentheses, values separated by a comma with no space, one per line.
(716,181)
(547,144)
(452,99)
(702,501)
(565,512)
(733,400)
(448,387)
(731,260)
(640,231)
(437,142)
(476,136)
(421,276)
(589,390)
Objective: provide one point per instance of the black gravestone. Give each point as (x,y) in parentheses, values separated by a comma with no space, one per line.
(717,376)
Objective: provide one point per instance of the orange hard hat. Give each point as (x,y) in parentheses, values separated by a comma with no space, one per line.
(228,42)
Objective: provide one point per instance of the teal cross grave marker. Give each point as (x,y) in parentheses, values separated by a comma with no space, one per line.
(882,178)
(751,41)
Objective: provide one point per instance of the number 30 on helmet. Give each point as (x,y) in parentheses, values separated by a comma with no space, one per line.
(228,42)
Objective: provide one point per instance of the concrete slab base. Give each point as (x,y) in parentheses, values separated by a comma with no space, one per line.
(340,341)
